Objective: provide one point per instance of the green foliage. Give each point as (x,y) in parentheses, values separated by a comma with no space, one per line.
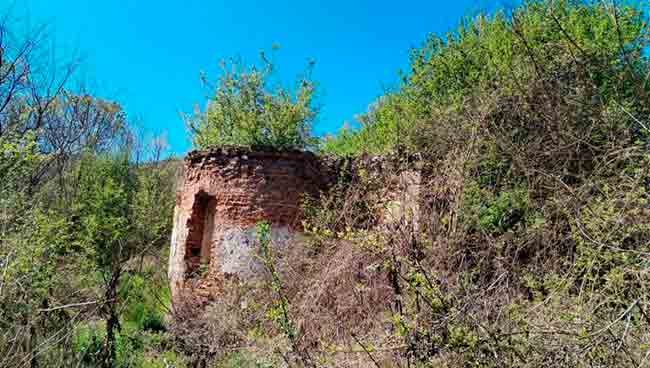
(142,340)
(504,50)
(136,349)
(247,110)
(145,302)
(74,207)
(611,237)
(503,54)
(383,128)
(346,142)
(103,206)
(19,156)
(533,246)
(87,344)
(494,214)
(279,310)
(70,250)
(152,205)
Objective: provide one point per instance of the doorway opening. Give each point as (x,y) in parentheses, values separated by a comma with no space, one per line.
(198,247)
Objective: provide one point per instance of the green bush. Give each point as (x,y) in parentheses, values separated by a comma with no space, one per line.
(491,213)
(153,321)
(144,309)
(247,110)
(88,344)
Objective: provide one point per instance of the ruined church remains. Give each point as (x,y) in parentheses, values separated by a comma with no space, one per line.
(226,191)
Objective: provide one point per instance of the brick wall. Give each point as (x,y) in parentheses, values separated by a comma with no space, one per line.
(225,192)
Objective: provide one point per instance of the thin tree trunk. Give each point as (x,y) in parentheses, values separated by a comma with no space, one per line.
(112,322)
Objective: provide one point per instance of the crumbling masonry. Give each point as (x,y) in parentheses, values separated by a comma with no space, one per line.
(226,191)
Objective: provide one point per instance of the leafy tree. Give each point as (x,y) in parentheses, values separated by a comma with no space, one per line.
(107,188)
(246,109)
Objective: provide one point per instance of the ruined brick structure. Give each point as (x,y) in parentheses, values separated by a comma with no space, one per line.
(224,193)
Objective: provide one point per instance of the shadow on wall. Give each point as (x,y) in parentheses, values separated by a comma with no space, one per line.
(199,239)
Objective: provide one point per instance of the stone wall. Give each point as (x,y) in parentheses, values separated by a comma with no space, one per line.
(224,193)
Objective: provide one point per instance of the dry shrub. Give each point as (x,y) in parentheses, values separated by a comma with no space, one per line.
(208,332)
(345,285)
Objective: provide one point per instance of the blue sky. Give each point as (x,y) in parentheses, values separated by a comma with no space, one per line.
(148,53)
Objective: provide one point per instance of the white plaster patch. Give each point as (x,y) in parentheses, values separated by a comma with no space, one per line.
(238,252)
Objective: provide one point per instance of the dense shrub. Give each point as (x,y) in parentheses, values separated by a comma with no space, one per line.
(534,238)
(589,51)
(247,110)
